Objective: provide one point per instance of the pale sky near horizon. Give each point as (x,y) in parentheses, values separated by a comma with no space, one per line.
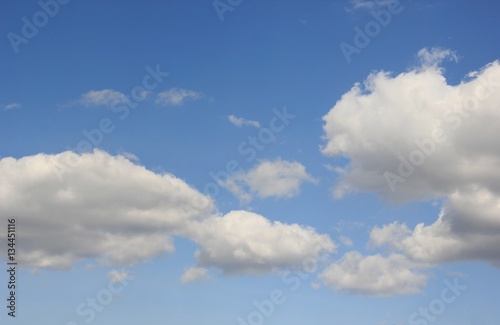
(251,162)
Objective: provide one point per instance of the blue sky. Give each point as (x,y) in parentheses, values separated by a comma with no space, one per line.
(378,166)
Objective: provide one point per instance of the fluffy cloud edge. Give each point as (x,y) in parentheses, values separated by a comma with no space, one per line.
(374,275)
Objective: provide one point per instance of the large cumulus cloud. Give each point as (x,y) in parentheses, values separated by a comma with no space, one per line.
(104,207)
(245,242)
(71,207)
(413,136)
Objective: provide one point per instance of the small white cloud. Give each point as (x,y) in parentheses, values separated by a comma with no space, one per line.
(355,5)
(117,276)
(143,94)
(239,121)
(277,178)
(194,274)
(11,106)
(346,241)
(105,97)
(176,96)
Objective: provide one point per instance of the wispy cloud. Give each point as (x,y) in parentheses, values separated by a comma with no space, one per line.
(130,156)
(240,121)
(117,276)
(194,274)
(176,96)
(434,56)
(11,106)
(105,97)
(346,241)
(355,5)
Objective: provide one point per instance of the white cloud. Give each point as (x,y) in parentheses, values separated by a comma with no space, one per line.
(117,276)
(434,56)
(392,234)
(374,275)
(129,156)
(117,212)
(106,208)
(194,274)
(413,137)
(417,118)
(176,96)
(105,97)
(467,229)
(142,95)
(367,4)
(279,178)
(245,242)
(346,241)
(239,121)
(10,106)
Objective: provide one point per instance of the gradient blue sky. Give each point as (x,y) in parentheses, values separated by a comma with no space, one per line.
(263,55)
